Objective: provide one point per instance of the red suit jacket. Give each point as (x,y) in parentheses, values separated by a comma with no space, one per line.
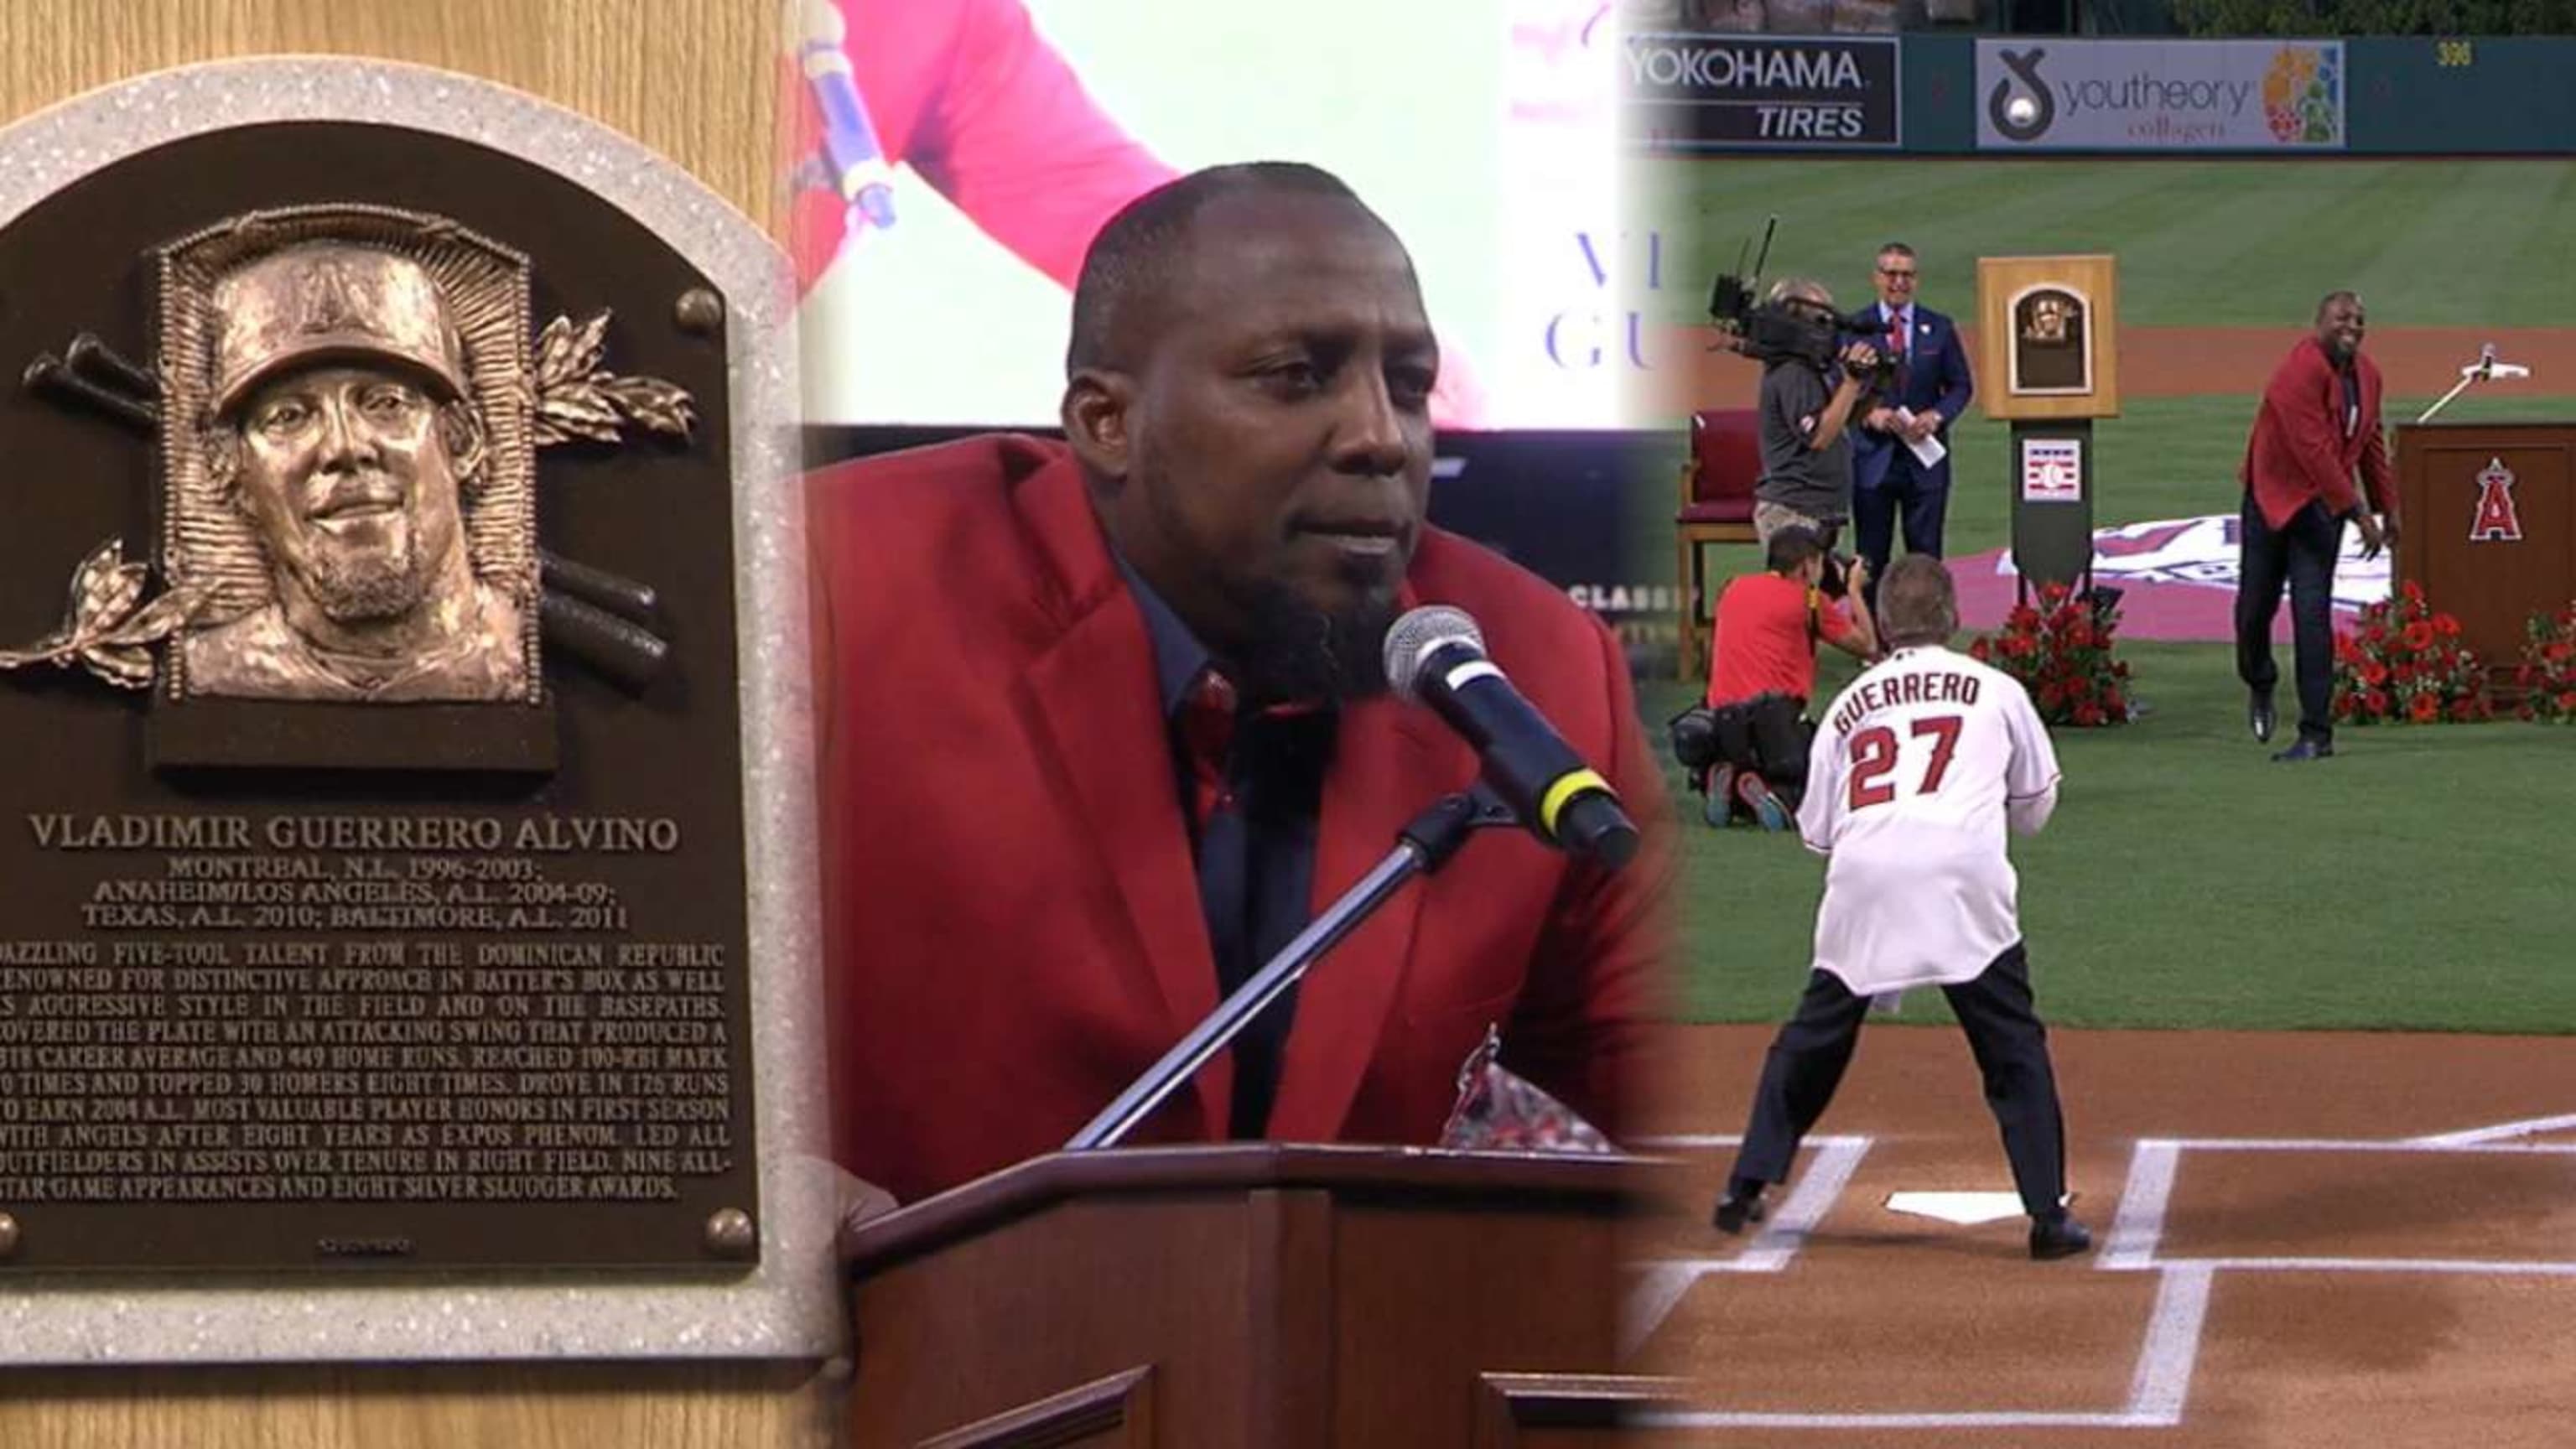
(979,103)
(2300,450)
(1011,915)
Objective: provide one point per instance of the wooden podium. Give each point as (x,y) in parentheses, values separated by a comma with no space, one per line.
(2489,526)
(1256,1295)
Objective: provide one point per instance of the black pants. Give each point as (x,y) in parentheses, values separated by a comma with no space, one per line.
(1768,736)
(1903,495)
(2303,553)
(2004,1032)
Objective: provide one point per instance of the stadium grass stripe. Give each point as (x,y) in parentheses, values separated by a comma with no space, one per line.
(2201,243)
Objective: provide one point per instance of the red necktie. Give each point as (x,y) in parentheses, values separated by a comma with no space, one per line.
(1207,728)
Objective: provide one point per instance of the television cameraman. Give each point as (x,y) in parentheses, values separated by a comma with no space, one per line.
(1808,394)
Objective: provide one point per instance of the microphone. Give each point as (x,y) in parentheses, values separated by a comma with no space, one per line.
(1435,657)
(857,161)
(2487,369)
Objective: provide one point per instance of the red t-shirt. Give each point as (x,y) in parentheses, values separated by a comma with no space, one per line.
(1763,640)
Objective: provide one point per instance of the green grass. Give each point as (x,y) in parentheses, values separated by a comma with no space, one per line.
(2200,243)
(2416,881)
(2419,881)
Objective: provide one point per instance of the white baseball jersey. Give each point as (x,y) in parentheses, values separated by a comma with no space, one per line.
(1917,768)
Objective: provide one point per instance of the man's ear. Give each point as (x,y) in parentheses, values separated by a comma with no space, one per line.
(1095,412)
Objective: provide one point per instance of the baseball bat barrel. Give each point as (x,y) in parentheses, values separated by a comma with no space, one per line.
(630,655)
(628,598)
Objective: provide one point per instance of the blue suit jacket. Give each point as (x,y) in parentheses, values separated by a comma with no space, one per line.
(1936,379)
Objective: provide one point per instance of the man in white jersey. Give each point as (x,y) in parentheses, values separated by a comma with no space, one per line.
(1919,767)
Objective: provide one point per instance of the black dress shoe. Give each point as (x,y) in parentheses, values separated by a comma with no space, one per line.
(2058,1237)
(1738,1207)
(2258,714)
(2305,750)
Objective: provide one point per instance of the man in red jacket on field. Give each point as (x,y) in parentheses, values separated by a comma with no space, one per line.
(2318,424)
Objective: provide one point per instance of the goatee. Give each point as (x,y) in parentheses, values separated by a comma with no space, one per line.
(1298,653)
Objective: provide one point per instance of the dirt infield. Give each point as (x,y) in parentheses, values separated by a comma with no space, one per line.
(2302,1239)
(2196,361)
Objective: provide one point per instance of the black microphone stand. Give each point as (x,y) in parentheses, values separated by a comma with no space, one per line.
(1422,846)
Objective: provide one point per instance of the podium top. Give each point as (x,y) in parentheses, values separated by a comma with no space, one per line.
(1586,1183)
(2484,425)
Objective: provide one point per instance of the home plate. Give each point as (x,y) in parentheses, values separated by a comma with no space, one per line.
(1967,1209)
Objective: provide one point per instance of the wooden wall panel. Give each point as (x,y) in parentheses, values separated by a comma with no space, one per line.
(694,80)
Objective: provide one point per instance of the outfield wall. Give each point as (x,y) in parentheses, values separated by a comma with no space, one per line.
(1952,95)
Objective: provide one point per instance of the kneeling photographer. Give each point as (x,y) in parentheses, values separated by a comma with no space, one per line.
(1746,750)
(1811,384)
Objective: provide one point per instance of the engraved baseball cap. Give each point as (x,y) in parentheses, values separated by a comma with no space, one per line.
(324,300)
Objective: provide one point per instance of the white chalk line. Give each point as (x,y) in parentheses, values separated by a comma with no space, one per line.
(2140,1220)
(2460,1144)
(1807,1204)
(1667,1281)
(2482,1267)
(1651,1302)
(2170,1350)
(2172,1347)
(2501,1130)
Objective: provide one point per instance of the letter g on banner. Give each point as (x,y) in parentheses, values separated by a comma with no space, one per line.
(2014,120)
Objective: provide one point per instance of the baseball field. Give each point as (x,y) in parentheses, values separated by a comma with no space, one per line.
(2309,1019)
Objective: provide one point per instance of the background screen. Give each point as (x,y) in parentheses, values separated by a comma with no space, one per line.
(1480,129)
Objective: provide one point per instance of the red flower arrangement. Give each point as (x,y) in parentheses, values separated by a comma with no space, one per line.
(2062,653)
(2548,672)
(2403,663)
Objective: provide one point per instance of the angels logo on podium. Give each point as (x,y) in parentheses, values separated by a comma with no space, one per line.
(2497,520)
(348,404)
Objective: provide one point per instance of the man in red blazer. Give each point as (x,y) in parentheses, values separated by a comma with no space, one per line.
(2318,424)
(1028,896)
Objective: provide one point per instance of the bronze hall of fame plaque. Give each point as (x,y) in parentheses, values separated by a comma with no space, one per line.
(374,827)
(2052,350)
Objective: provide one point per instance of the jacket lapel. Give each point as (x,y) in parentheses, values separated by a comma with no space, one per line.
(1090,698)
(1391,762)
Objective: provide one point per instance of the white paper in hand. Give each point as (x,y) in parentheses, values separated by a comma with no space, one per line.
(1928,451)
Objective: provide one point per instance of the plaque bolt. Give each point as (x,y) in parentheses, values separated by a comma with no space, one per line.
(8,1236)
(699,311)
(729,1233)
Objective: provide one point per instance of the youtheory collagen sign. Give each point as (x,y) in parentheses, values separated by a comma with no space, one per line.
(2202,95)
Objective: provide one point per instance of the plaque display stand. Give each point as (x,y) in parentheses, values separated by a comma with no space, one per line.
(2048,363)
(1253,1295)
(2490,527)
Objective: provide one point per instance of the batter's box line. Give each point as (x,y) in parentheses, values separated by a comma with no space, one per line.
(1665,1281)
(2158,1388)
(2139,1225)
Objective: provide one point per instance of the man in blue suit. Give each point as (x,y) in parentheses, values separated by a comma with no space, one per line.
(1926,391)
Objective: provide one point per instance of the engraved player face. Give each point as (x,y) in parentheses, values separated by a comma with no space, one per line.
(349,482)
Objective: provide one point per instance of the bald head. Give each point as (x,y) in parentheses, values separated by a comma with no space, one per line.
(1137,261)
